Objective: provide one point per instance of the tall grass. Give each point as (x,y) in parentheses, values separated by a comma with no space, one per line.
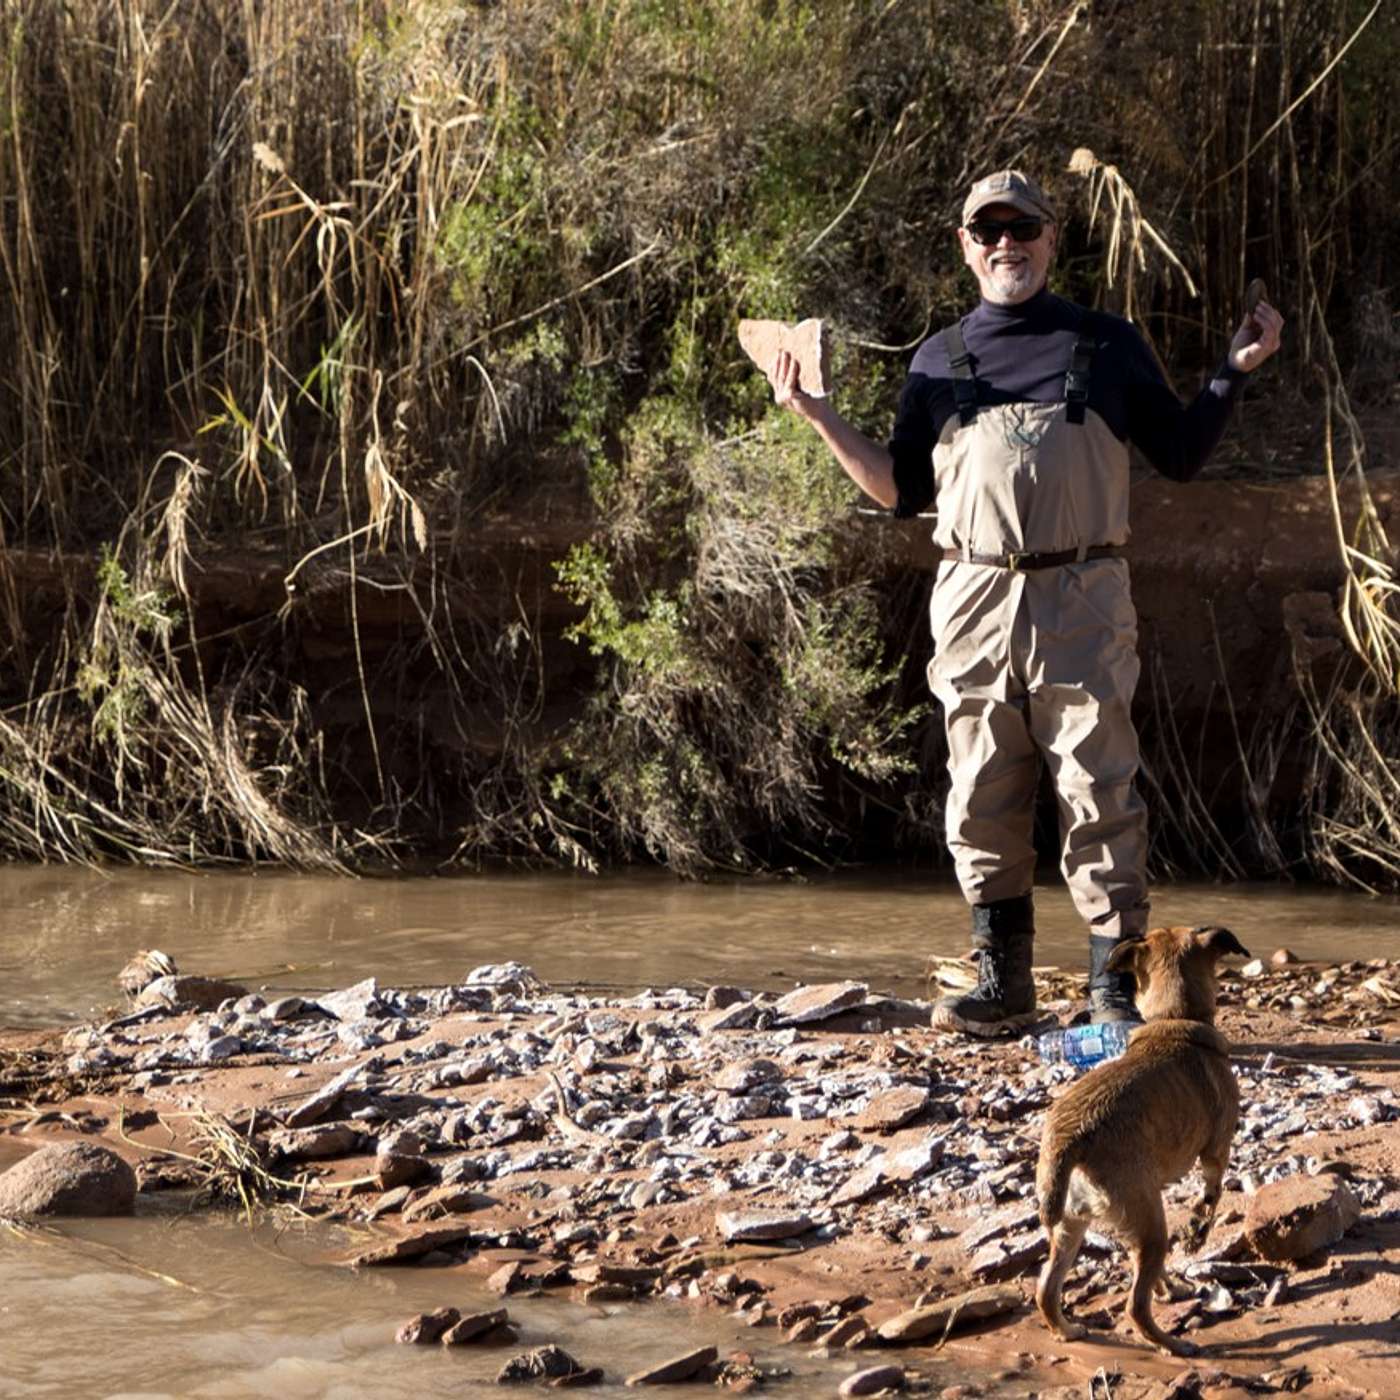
(345,286)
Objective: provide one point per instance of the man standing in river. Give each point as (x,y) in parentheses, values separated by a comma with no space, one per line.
(1015,423)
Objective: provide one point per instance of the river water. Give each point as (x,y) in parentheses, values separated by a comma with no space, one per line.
(168,1306)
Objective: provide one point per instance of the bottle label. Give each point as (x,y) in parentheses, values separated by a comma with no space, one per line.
(1090,1047)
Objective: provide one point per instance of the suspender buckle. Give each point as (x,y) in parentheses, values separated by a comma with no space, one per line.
(1077,376)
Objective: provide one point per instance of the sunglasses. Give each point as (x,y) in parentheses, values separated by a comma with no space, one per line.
(988,232)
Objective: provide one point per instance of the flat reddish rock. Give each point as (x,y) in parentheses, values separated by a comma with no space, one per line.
(590,1375)
(426,1328)
(893,1109)
(1002,1259)
(727,1018)
(320,1140)
(949,1314)
(737,1226)
(867,1182)
(447,1200)
(319,1104)
(509,1278)
(679,1368)
(410,1246)
(806,342)
(818,1002)
(848,1329)
(474,1326)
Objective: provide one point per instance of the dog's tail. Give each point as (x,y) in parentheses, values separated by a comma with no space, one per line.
(1052,1183)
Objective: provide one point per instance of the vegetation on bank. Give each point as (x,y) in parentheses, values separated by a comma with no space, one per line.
(346,282)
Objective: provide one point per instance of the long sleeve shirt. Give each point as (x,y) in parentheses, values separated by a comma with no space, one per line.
(1020,354)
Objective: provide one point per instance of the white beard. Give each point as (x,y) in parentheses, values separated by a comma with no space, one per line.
(1010,283)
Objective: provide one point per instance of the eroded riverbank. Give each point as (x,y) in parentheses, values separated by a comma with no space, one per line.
(815,1165)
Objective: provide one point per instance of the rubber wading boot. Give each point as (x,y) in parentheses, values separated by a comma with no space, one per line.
(1111,994)
(1003,1001)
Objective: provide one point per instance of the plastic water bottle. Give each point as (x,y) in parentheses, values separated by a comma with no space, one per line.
(1083,1046)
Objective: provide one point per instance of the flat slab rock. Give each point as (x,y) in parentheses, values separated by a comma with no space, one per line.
(1009,1258)
(1011,1221)
(949,1315)
(893,1169)
(1299,1215)
(678,1368)
(410,1246)
(473,1327)
(447,1200)
(427,1328)
(70,1178)
(315,1107)
(321,1140)
(739,1016)
(509,1278)
(890,1111)
(806,342)
(818,1002)
(739,1226)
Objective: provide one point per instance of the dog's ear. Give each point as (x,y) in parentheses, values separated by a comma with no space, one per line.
(1124,956)
(1220,941)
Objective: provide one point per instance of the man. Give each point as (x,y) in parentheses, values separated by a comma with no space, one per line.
(1016,424)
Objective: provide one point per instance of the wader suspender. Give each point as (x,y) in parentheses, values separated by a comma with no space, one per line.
(1076,378)
(964,385)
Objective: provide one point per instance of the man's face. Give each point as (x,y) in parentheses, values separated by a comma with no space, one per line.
(1009,271)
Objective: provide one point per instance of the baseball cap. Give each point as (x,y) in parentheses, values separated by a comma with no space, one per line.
(1011,187)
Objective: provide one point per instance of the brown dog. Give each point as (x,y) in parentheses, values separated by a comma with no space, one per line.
(1132,1125)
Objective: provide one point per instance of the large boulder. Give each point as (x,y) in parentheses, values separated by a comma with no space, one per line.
(1299,1215)
(71,1178)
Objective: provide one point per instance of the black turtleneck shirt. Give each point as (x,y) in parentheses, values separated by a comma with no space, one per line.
(1020,354)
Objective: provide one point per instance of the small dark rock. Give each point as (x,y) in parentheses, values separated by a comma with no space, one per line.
(544,1363)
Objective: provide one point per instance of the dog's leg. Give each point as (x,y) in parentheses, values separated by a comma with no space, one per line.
(1203,1212)
(1065,1240)
(1149,1239)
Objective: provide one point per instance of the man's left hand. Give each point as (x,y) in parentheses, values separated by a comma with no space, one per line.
(1257,338)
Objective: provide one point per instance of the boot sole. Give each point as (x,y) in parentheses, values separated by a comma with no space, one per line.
(945,1019)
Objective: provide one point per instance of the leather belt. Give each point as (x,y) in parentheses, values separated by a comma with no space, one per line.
(1017,562)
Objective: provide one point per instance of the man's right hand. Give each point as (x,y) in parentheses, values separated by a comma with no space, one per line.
(784,378)
(866,462)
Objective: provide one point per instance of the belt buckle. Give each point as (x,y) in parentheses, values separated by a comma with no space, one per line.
(1014,560)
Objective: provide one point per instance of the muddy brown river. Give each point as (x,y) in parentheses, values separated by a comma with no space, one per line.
(167,1305)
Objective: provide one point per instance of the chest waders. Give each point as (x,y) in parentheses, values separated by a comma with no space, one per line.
(1035,663)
